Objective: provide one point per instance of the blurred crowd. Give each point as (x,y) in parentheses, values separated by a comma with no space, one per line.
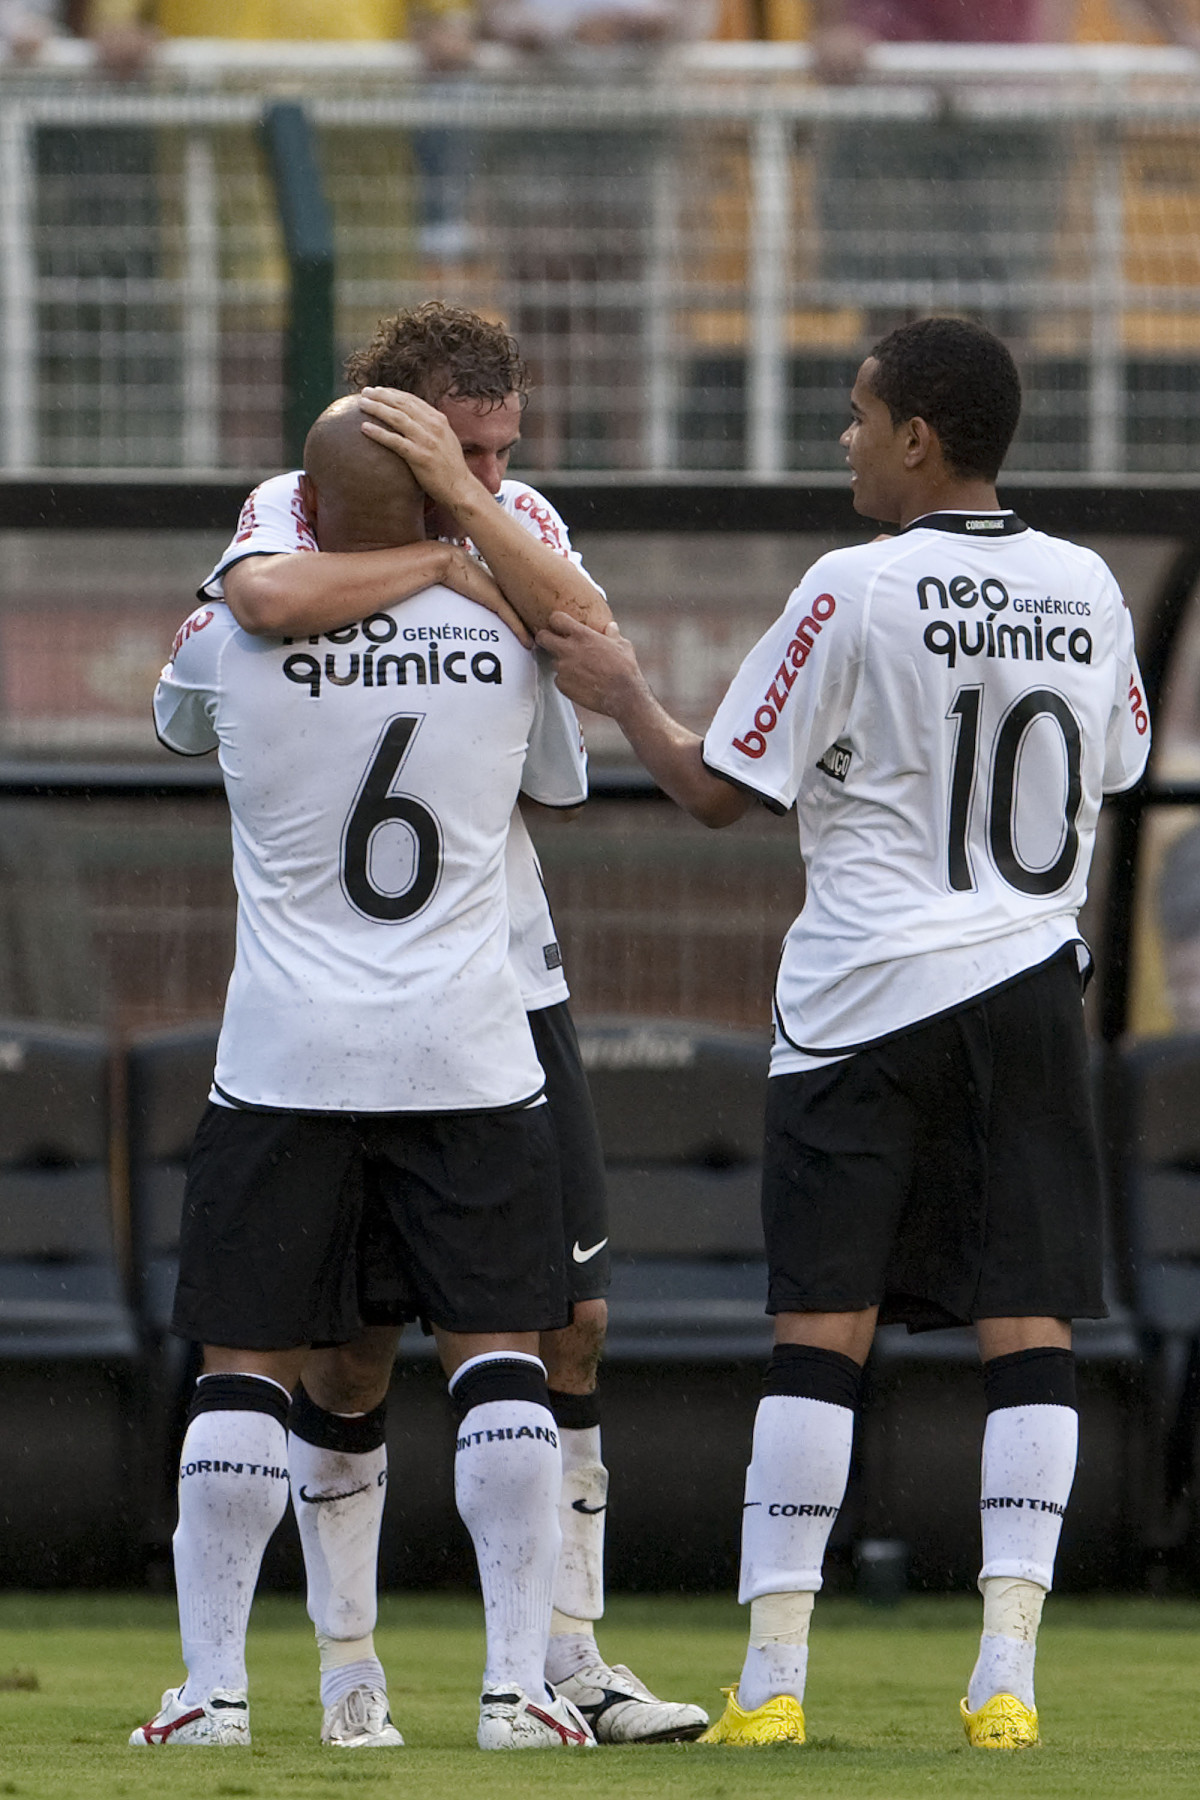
(448,33)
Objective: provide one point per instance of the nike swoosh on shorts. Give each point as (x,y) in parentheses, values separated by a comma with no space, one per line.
(582,1256)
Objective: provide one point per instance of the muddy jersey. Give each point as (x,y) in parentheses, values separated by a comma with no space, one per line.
(273,522)
(371,781)
(946,710)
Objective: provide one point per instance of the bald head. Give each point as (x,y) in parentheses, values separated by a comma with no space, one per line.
(359,495)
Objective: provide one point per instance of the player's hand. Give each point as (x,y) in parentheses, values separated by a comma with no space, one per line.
(468,577)
(424,437)
(596,669)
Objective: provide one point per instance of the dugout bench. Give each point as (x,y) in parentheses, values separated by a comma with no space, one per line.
(94,1381)
(74,1364)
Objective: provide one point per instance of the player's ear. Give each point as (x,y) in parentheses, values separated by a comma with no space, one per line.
(920,440)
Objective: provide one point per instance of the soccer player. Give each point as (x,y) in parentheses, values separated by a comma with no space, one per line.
(449,392)
(377,1147)
(945,709)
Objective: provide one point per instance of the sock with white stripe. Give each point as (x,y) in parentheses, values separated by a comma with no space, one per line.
(338,1464)
(1029,1451)
(582,1508)
(507,1481)
(233,1491)
(803,1434)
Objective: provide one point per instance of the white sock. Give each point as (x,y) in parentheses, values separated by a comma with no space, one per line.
(777,1656)
(1028,1467)
(507,1481)
(572,1647)
(233,1491)
(345,1667)
(794,1489)
(579,1578)
(340,1540)
(1029,1457)
(1012,1611)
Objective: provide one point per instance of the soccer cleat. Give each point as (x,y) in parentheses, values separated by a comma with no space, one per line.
(224,1718)
(777,1721)
(621,1709)
(514,1721)
(1002,1723)
(360,1721)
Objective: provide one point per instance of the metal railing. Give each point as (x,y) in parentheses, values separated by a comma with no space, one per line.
(695,255)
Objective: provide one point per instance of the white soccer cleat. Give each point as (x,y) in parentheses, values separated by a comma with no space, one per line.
(222,1719)
(514,1721)
(621,1709)
(360,1721)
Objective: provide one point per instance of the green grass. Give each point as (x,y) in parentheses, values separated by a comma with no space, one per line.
(1118,1689)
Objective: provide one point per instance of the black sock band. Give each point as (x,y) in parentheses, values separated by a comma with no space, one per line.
(334,1431)
(500,1378)
(575,1412)
(239,1393)
(809,1373)
(1043,1377)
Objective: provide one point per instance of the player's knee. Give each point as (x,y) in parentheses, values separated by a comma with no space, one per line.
(352,1378)
(572,1355)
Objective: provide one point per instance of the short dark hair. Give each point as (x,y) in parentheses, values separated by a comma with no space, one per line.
(961,380)
(434,349)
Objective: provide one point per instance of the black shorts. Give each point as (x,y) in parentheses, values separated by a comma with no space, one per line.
(301,1228)
(581,1159)
(947,1174)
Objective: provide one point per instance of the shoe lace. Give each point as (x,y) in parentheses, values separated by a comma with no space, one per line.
(355,1707)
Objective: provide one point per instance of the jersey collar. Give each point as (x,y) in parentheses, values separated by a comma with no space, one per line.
(970,524)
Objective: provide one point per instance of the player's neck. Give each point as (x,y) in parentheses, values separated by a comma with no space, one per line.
(947,496)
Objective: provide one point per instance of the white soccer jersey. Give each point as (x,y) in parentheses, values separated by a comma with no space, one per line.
(946,710)
(272,522)
(371,780)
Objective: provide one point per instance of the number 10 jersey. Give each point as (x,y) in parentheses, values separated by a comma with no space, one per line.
(371,780)
(946,710)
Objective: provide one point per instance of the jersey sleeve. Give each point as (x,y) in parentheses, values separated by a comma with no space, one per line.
(543,522)
(1127,743)
(556,761)
(272,522)
(788,702)
(185,700)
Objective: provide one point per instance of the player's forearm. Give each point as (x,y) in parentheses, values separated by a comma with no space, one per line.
(600,670)
(301,594)
(536,578)
(674,756)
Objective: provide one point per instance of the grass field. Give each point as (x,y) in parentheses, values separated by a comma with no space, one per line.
(1118,1689)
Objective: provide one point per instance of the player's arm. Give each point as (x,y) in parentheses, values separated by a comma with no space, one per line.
(601,672)
(535,577)
(185,697)
(303,592)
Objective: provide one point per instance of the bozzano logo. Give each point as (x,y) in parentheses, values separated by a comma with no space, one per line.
(754,743)
(1137,706)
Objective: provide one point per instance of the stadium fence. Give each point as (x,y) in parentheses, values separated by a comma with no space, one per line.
(694,254)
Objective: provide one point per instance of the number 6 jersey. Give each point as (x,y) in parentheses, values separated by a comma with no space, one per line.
(371,780)
(946,710)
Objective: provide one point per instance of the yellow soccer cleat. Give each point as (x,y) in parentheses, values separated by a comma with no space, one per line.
(1002,1723)
(777,1721)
